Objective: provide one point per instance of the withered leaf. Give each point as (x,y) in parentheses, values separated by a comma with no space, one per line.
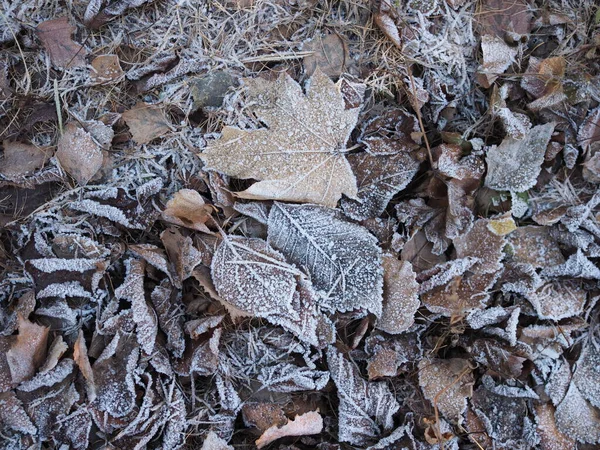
(447,384)
(499,17)
(13,415)
(80,355)
(379,178)
(577,418)
(342,258)
(400,296)
(534,245)
(105,68)
(78,154)
(146,122)
(550,437)
(263,415)
(302,425)
(27,351)
(188,209)
(214,442)
(587,375)
(483,244)
(22,159)
(56,34)
(300,156)
(329,55)
(589,132)
(515,164)
(366,408)
(497,57)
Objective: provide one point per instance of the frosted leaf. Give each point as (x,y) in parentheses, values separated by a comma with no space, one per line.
(516,125)
(400,438)
(577,266)
(479,319)
(78,154)
(13,415)
(389,356)
(175,430)
(588,134)
(197,327)
(144,316)
(302,425)
(188,209)
(447,383)
(558,300)
(19,159)
(55,376)
(515,164)
(587,375)
(506,390)
(442,273)
(183,255)
(27,350)
(64,290)
(366,408)
(146,122)
(497,57)
(483,244)
(55,352)
(452,164)
(169,309)
(558,380)
(153,255)
(379,178)
(287,377)
(400,296)
(550,437)
(459,216)
(74,429)
(214,442)
(342,258)
(534,245)
(577,418)
(300,156)
(80,355)
(49,265)
(257,210)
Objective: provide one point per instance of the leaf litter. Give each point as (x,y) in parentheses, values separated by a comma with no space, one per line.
(296,224)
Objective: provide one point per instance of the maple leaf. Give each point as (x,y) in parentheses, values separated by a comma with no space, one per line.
(299,157)
(342,258)
(366,408)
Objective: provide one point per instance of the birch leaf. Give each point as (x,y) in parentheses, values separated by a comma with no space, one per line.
(299,157)
(342,258)
(366,408)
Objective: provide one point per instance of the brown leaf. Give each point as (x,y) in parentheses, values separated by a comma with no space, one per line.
(384,363)
(56,350)
(388,27)
(78,154)
(27,351)
(13,415)
(80,355)
(589,132)
(559,299)
(497,57)
(329,55)
(400,296)
(56,34)
(481,243)
(106,68)
(188,209)
(146,122)
(447,383)
(534,245)
(499,17)
(22,159)
(551,438)
(263,415)
(303,425)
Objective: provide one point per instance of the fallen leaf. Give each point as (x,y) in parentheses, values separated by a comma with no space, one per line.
(27,351)
(214,442)
(400,296)
(497,57)
(183,256)
(78,154)
(22,159)
(447,384)
(303,425)
(366,408)
(499,17)
(329,55)
(341,257)
(515,164)
(80,355)
(263,415)
(105,68)
(386,24)
(300,156)
(483,244)
(533,245)
(146,122)
(587,375)
(13,416)
(589,131)
(551,438)
(188,209)
(577,418)
(56,34)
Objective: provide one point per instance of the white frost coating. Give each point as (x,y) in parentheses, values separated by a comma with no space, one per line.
(49,265)
(577,266)
(64,290)
(587,375)
(514,165)
(575,417)
(287,377)
(110,212)
(480,318)
(62,370)
(366,408)
(342,258)
(214,442)
(443,273)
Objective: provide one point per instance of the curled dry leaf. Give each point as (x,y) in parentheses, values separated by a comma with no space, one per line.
(22,159)
(188,209)
(146,122)
(342,258)
(105,68)
(56,34)
(80,355)
(447,384)
(300,156)
(303,425)
(400,296)
(79,154)
(515,164)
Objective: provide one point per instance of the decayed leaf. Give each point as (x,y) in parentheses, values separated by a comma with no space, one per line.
(78,154)
(551,438)
(303,425)
(300,156)
(447,384)
(27,351)
(106,68)
(144,316)
(56,34)
(400,296)
(515,164)
(329,55)
(253,277)
(342,258)
(22,159)
(188,209)
(589,132)
(497,57)
(146,122)
(366,408)
(379,178)
(483,244)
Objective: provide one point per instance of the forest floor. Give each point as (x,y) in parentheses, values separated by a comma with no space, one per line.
(299,224)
